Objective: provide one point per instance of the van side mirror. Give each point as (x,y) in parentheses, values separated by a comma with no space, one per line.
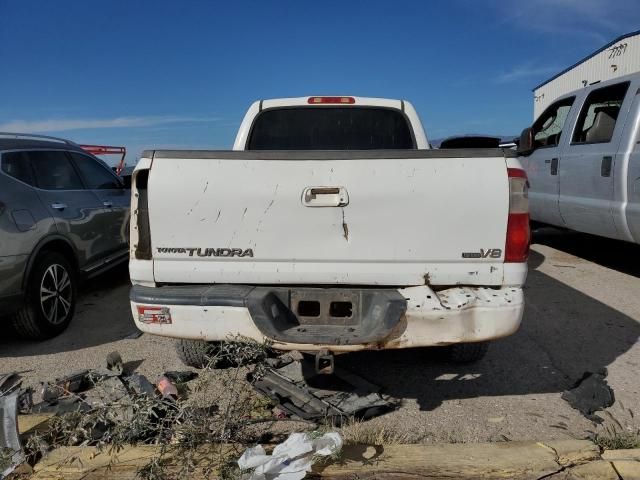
(525,145)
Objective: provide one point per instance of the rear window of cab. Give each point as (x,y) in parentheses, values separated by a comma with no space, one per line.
(331,128)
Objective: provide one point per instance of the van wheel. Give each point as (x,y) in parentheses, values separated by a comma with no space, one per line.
(196,353)
(50,299)
(467,352)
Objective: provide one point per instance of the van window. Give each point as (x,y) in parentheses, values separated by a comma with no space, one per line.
(17,165)
(330,128)
(597,119)
(548,128)
(54,171)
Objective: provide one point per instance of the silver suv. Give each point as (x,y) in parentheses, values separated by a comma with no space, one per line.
(64,216)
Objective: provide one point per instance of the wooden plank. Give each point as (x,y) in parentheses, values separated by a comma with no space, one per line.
(573,452)
(33,422)
(627,469)
(488,460)
(88,463)
(598,470)
(622,454)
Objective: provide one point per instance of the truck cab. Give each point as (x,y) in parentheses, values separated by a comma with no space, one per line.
(582,157)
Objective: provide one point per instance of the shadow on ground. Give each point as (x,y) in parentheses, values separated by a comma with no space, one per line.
(613,254)
(564,334)
(102,316)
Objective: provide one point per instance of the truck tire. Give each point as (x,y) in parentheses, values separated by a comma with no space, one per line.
(195,353)
(467,352)
(50,298)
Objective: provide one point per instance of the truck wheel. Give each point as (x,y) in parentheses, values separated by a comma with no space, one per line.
(50,299)
(467,352)
(195,353)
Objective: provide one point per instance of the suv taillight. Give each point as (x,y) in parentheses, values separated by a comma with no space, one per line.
(518,233)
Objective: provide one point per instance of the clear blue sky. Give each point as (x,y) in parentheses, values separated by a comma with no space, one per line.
(171,73)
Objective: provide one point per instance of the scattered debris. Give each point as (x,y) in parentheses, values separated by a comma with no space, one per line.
(166,388)
(111,407)
(181,377)
(590,394)
(115,363)
(13,400)
(290,460)
(12,382)
(74,382)
(140,385)
(11,451)
(87,389)
(297,390)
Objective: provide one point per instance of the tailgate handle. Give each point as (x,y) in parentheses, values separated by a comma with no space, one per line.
(325,197)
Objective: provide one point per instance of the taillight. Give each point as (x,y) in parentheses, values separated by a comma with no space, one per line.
(518,233)
(139,188)
(343,100)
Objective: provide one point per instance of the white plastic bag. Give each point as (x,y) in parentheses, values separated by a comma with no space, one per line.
(290,460)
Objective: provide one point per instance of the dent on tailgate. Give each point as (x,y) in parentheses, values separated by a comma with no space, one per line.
(362,218)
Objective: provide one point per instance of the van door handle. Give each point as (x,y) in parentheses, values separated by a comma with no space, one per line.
(325,197)
(107,204)
(58,206)
(554,166)
(605,166)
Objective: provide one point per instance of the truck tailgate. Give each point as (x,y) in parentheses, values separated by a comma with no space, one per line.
(359,217)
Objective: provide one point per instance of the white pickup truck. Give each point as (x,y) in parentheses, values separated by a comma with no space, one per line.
(331,227)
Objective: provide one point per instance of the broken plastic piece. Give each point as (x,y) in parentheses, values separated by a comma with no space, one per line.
(181,376)
(115,363)
(297,390)
(9,439)
(72,383)
(166,387)
(290,460)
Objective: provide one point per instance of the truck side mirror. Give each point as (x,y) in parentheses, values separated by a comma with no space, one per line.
(525,145)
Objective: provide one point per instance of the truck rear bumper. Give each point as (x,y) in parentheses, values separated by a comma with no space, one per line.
(406,317)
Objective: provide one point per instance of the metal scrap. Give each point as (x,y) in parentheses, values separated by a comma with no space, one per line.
(9,436)
(13,400)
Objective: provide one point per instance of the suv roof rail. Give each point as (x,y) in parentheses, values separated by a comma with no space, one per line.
(36,136)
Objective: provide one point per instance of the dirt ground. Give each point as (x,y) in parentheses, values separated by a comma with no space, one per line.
(582,315)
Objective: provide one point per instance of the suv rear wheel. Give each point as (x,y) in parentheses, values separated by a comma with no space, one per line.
(50,298)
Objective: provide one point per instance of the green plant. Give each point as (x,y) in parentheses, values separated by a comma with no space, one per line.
(367,433)
(614,434)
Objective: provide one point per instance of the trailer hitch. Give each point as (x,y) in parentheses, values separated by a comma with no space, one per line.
(324,362)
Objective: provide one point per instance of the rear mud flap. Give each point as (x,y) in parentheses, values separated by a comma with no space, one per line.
(329,316)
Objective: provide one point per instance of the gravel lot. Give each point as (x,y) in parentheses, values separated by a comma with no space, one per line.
(583,314)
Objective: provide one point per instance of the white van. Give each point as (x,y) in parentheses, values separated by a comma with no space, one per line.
(582,158)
